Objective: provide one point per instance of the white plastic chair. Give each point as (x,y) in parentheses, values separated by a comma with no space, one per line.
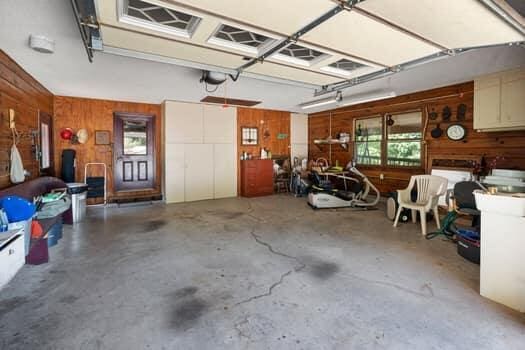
(429,189)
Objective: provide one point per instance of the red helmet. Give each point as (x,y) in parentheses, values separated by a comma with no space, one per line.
(66,134)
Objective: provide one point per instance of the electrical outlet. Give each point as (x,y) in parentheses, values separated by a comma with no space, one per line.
(381,177)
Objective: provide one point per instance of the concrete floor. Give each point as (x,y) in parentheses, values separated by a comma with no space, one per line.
(266,273)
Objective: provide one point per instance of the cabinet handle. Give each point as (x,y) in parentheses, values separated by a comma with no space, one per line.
(11,251)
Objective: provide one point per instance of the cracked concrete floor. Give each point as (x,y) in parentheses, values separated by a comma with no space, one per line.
(265,273)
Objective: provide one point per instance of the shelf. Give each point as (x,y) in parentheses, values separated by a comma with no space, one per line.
(343,144)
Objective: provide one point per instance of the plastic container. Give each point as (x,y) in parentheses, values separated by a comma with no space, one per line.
(17,208)
(468,245)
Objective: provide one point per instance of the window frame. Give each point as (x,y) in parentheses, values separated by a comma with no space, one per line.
(384,141)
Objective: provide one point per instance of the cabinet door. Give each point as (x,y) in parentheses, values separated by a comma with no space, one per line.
(225,174)
(174,170)
(183,122)
(199,172)
(513,99)
(219,124)
(487,103)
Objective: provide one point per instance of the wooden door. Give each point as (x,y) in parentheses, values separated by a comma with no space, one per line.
(134,151)
(46,152)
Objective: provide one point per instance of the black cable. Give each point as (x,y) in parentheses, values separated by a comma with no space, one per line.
(210,91)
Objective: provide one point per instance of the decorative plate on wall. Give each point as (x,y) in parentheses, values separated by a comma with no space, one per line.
(456,132)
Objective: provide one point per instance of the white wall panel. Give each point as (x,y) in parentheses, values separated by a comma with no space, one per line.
(174,173)
(219,124)
(225,175)
(199,172)
(299,128)
(299,135)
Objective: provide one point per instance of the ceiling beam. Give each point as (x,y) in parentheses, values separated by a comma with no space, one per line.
(346,4)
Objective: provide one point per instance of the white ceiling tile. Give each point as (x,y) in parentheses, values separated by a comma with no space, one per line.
(290,73)
(122,38)
(357,35)
(453,24)
(284,17)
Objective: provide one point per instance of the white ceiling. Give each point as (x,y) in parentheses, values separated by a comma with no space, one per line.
(68,72)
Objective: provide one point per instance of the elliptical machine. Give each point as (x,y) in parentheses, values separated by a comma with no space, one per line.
(323,196)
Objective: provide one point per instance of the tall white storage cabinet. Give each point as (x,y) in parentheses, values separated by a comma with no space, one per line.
(199,152)
(299,135)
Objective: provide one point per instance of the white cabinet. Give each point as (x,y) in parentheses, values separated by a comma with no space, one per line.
(200,154)
(186,125)
(225,178)
(219,124)
(499,102)
(513,98)
(299,135)
(199,172)
(12,257)
(175,168)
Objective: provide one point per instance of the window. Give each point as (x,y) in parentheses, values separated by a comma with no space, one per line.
(404,137)
(239,39)
(390,140)
(135,137)
(301,55)
(368,140)
(343,67)
(250,136)
(159,18)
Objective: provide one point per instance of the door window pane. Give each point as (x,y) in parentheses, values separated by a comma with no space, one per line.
(404,139)
(135,137)
(368,136)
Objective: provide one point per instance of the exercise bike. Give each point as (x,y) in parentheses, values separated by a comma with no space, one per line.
(324,196)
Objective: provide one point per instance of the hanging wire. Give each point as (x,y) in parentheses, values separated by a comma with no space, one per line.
(210,91)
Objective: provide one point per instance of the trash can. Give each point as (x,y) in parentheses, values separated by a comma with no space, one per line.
(78,193)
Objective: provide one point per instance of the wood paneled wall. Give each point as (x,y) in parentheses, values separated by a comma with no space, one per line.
(275,122)
(510,145)
(21,92)
(93,114)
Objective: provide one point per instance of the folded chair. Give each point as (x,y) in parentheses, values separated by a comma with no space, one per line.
(463,203)
(429,189)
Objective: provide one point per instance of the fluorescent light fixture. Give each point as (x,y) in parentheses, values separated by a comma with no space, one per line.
(366,97)
(349,100)
(319,103)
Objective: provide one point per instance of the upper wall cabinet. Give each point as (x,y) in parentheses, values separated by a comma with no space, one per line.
(499,101)
(184,122)
(219,124)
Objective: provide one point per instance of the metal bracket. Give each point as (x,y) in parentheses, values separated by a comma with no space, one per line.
(345,84)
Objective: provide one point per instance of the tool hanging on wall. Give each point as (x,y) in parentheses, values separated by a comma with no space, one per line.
(17,173)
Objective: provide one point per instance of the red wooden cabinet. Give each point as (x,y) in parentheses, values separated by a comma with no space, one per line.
(256,177)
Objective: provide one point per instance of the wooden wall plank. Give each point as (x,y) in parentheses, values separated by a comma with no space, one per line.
(93,114)
(275,122)
(21,92)
(508,144)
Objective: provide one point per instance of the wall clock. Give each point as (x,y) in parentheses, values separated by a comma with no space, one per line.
(456,132)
